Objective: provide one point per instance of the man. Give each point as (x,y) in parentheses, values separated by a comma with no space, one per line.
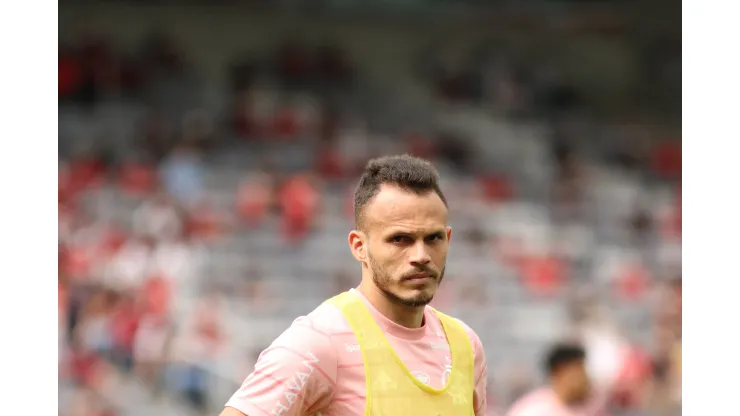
(378,349)
(568,389)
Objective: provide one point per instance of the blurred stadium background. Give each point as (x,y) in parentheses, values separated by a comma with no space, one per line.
(208,150)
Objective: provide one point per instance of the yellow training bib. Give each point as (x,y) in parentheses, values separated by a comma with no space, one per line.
(391,389)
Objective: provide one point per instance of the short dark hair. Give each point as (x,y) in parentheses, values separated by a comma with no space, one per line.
(404,171)
(561,355)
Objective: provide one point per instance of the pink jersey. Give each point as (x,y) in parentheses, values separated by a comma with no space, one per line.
(315,367)
(544,402)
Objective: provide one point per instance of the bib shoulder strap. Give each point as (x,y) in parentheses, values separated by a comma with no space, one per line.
(342,300)
(455,331)
(449,322)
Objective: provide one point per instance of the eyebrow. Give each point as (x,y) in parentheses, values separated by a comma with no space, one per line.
(440,232)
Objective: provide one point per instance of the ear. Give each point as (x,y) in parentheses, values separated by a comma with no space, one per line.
(449,233)
(358,245)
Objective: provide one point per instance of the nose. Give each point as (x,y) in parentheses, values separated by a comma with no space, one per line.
(420,255)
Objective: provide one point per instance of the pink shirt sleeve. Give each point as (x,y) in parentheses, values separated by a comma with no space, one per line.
(480,391)
(295,376)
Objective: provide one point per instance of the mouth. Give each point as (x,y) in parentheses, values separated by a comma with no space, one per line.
(419,277)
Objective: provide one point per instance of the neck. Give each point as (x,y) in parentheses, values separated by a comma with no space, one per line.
(402,315)
(561,393)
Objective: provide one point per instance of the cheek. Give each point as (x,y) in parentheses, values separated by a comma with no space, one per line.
(439,255)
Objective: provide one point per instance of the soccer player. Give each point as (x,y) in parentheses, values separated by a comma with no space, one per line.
(378,349)
(568,390)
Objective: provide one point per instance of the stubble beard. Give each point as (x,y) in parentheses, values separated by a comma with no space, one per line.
(383,281)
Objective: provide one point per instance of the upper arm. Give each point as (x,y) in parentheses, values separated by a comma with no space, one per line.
(480,390)
(293,377)
(230,411)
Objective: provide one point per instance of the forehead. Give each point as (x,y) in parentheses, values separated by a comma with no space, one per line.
(398,208)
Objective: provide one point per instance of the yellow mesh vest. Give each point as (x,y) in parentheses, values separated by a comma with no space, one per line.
(390,387)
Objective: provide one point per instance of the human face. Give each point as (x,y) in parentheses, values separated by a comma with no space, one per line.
(404,245)
(579,384)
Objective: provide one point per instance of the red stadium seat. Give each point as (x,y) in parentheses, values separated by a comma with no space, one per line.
(666,159)
(329,163)
(156,295)
(253,202)
(137,178)
(543,275)
(420,146)
(298,202)
(70,76)
(204,223)
(632,282)
(85,173)
(496,188)
(77,262)
(285,124)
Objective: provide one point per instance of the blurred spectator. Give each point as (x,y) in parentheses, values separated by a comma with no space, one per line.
(299,203)
(182,172)
(157,218)
(632,281)
(124,322)
(84,364)
(496,188)
(196,344)
(137,178)
(544,275)
(568,389)
(255,197)
(131,265)
(329,162)
(92,328)
(151,347)
(204,222)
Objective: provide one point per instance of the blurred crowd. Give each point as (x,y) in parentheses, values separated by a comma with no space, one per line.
(193,230)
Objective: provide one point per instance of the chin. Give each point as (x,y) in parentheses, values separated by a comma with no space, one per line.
(412,300)
(418,299)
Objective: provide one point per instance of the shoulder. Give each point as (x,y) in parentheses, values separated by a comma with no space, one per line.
(296,374)
(326,319)
(474,339)
(313,333)
(531,404)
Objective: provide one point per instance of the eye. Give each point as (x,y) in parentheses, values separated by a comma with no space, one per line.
(399,239)
(435,238)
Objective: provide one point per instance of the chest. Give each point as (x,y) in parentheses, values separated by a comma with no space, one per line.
(428,359)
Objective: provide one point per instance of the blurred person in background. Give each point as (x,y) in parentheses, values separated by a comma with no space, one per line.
(568,386)
(196,343)
(401,240)
(158,217)
(150,349)
(182,172)
(298,199)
